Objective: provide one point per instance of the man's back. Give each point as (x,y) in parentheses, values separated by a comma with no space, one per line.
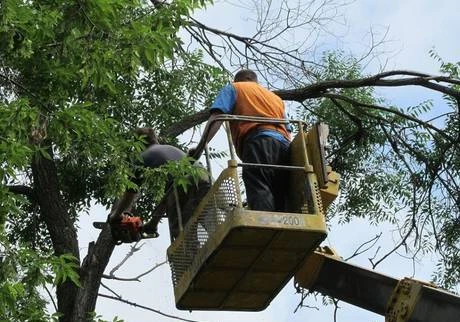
(253,99)
(159,154)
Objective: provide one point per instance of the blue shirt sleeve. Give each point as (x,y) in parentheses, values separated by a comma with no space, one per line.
(225,100)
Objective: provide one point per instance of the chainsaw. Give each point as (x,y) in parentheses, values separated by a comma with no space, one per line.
(127,229)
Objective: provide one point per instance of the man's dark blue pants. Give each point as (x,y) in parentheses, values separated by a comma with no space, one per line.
(266,188)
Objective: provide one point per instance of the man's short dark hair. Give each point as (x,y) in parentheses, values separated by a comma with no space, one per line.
(149,134)
(245,75)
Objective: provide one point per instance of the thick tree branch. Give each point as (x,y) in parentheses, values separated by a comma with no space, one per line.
(23,190)
(186,123)
(91,272)
(54,211)
(318,89)
(321,89)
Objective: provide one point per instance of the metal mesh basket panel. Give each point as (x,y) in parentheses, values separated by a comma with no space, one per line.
(212,211)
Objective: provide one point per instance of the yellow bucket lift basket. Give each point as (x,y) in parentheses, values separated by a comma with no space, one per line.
(232,258)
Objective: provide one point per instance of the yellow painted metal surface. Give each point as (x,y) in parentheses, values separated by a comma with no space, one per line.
(249,260)
(316,142)
(403,300)
(330,192)
(231,258)
(308,273)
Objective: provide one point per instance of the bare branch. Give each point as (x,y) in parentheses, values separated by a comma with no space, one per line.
(110,290)
(390,110)
(51,297)
(360,250)
(247,41)
(336,308)
(405,237)
(129,255)
(135,279)
(145,308)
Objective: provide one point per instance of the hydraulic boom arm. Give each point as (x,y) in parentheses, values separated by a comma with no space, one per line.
(405,300)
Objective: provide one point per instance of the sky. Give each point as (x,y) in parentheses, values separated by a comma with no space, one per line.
(414,27)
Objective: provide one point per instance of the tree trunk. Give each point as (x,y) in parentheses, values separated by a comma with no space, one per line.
(73,302)
(58,221)
(90,275)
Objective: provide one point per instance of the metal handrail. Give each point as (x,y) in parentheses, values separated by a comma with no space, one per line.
(258,119)
(231,118)
(241,118)
(271,166)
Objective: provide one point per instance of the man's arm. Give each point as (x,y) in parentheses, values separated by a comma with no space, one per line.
(125,203)
(151,226)
(223,104)
(209,132)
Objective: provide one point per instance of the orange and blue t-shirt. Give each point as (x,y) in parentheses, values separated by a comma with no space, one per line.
(252,99)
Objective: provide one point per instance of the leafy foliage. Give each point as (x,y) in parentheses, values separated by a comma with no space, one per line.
(182,174)
(88,73)
(357,146)
(396,164)
(76,78)
(23,275)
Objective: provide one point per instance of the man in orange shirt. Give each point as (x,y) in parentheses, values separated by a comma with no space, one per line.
(260,143)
